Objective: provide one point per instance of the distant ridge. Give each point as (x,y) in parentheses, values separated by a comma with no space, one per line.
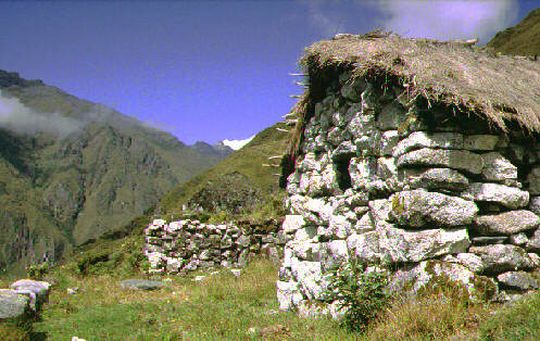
(72,171)
(522,39)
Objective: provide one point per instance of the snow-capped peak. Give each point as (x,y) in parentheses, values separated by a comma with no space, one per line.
(237,144)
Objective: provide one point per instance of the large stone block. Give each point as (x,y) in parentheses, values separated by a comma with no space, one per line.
(431,271)
(507,223)
(418,208)
(292,223)
(434,179)
(519,280)
(501,258)
(456,159)
(13,305)
(422,139)
(509,197)
(365,246)
(400,246)
(498,168)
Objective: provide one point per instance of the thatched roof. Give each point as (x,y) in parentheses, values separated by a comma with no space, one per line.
(501,88)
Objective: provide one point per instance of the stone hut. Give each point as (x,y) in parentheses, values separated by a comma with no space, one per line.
(419,154)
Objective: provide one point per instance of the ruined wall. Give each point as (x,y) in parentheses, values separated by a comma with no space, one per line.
(419,186)
(188,245)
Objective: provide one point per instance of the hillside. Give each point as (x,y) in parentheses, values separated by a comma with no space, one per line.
(522,39)
(239,184)
(72,170)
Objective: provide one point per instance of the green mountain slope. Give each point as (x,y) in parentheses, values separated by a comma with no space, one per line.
(522,39)
(239,184)
(72,170)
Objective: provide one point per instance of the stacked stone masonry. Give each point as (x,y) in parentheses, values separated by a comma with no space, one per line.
(416,186)
(187,245)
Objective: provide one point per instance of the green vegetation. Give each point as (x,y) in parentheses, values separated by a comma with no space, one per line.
(522,39)
(239,181)
(519,321)
(363,295)
(219,307)
(59,192)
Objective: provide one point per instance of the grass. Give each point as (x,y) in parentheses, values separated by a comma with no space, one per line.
(219,307)
(223,306)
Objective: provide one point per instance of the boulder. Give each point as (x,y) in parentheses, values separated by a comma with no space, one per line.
(37,291)
(498,168)
(389,140)
(509,197)
(456,159)
(501,258)
(432,271)
(434,179)
(13,305)
(418,208)
(365,246)
(469,260)
(141,284)
(534,205)
(506,223)
(400,246)
(422,139)
(519,280)
(292,223)
(533,244)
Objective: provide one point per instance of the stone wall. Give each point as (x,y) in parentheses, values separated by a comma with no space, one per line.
(188,245)
(423,187)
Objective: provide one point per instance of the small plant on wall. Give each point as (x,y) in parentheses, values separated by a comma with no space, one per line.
(361,290)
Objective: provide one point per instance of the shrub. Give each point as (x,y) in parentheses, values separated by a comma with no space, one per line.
(38,271)
(362,293)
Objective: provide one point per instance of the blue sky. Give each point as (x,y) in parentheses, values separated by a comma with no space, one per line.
(210,70)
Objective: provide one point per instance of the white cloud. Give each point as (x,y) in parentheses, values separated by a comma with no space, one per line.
(449,19)
(16,117)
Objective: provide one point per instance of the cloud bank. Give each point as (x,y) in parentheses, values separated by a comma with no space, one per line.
(450,19)
(18,118)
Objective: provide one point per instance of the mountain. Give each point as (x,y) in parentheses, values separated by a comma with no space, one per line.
(216,150)
(241,184)
(72,171)
(522,39)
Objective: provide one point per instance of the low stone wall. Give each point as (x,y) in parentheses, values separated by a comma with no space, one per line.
(421,187)
(187,245)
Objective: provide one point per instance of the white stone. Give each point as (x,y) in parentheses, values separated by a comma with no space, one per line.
(386,167)
(500,258)
(365,246)
(402,246)
(498,168)
(456,159)
(292,223)
(389,140)
(510,197)
(469,260)
(507,223)
(422,139)
(418,208)
(339,226)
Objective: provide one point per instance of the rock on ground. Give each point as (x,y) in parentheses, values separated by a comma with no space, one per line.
(141,284)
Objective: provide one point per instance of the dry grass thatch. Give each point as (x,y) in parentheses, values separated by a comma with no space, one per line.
(499,88)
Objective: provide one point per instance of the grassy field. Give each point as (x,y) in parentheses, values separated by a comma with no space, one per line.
(223,306)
